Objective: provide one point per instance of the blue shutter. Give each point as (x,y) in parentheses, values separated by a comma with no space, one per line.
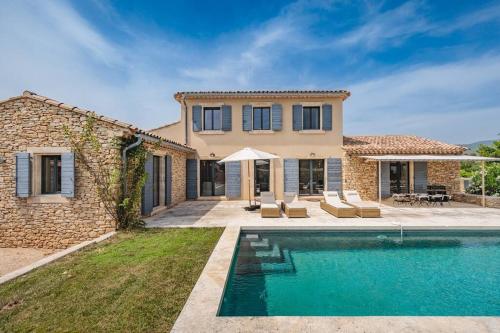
(291,174)
(147,190)
(385,180)
(68,175)
(23,175)
(334,174)
(420,177)
(191,179)
(226,118)
(277,117)
(327,117)
(247,117)
(168,180)
(233,179)
(196,118)
(297,117)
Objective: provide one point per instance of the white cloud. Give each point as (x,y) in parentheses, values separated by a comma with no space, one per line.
(454,101)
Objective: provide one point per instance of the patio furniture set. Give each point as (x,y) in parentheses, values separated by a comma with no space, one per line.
(352,206)
(436,195)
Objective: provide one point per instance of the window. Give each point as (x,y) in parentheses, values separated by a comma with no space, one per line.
(311,177)
(51,174)
(156,181)
(261,176)
(310,117)
(212,119)
(212,178)
(262,118)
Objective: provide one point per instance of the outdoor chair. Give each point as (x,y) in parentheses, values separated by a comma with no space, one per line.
(292,206)
(363,208)
(334,206)
(268,205)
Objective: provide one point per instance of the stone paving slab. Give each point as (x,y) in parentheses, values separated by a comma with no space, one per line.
(14,258)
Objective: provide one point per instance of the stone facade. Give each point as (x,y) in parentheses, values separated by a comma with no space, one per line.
(53,221)
(361,176)
(444,173)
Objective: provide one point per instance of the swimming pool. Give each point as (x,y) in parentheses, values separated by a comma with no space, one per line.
(369,273)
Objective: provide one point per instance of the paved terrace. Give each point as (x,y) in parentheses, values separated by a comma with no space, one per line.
(200,311)
(231,213)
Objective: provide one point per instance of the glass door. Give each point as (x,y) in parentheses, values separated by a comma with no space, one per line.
(261,176)
(311,177)
(399,177)
(212,178)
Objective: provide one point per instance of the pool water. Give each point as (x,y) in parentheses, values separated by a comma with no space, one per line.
(302,273)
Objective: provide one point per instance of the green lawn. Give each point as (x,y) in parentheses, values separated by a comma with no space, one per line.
(137,281)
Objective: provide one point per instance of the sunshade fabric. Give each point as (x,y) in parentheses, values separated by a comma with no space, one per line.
(248,154)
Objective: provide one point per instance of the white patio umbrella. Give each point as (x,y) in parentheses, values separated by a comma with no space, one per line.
(248,154)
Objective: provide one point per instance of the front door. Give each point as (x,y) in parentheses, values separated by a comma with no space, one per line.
(212,178)
(399,177)
(261,171)
(311,177)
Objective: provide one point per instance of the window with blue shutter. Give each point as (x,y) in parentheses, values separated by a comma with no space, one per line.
(297,117)
(334,174)
(247,117)
(68,175)
(327,117)
(23,175)
(310,118)
(168,180)
(226,118)
(261,118)
(147,189)
(233,179)
(277,117)
(191,179)
(385,180)
(196,115)
(420,177)
(291,175)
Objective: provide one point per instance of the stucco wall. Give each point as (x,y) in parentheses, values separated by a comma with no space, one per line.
(285,143)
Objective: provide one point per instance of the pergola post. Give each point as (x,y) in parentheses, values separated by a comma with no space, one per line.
(379,183)
(483,199)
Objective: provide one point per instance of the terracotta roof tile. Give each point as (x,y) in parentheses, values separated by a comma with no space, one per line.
(262,93)
(398,144)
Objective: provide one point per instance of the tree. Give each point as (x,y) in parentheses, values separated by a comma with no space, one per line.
(119,192)
(492,171)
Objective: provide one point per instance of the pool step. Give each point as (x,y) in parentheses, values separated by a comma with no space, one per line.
(262,244)
(285,265)
(274,253)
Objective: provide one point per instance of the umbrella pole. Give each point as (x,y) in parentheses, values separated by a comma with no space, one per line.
(248,175)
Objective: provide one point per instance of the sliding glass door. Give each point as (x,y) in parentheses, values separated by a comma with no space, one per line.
(399,177)
(261,169)
(212,178)
(311,177)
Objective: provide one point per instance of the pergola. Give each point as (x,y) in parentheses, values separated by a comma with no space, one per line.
(430,158)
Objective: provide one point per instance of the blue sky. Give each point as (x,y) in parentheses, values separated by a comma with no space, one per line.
(429,68)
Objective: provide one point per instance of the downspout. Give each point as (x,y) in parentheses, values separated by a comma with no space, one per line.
(124,159)
(185,120)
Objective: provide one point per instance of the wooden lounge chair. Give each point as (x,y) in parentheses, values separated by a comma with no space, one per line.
(363,208)
(268,205)
(291,205)
(334,206)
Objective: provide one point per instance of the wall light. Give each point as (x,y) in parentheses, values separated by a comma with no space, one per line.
(312,154)
(212,155)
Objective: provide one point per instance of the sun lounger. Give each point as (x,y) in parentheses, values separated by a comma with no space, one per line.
(268,205)
(292,206)
(363,208)
(334,206)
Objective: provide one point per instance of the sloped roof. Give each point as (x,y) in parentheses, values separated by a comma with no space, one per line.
(397,144)
(132,128)
(344,94)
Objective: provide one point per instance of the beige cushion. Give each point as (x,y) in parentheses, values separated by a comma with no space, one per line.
(269,205)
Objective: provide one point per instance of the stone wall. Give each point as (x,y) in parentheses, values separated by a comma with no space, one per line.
(53,221)
(444,173)
(492,202)
(360,175)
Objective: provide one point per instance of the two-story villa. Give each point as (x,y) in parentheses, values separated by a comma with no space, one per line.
(303,128)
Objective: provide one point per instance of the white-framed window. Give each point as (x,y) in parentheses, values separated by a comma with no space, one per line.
(212,118)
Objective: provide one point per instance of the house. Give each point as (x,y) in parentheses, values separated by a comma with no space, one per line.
(305,129)
(46,199)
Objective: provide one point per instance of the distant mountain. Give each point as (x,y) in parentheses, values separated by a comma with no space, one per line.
(472,147)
